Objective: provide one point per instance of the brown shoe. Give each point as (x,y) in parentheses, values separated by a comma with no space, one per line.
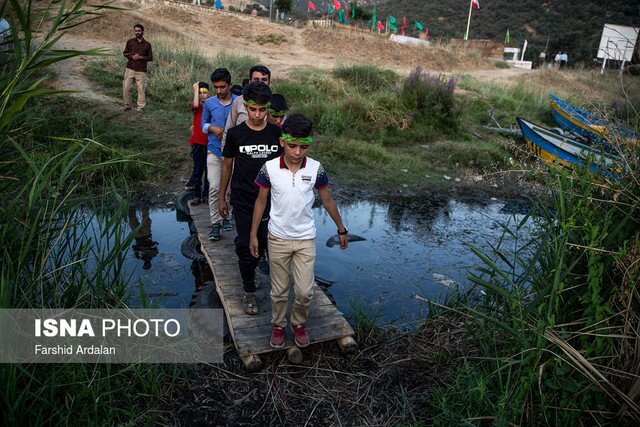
(300,335)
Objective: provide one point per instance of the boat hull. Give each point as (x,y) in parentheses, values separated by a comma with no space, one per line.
(557,151)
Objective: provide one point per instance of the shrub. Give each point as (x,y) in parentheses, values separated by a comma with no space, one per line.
(367,78)
(431,99)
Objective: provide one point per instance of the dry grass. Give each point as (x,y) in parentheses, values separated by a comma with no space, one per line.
(386,382)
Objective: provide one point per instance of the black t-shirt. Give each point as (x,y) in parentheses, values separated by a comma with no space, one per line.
(250,150)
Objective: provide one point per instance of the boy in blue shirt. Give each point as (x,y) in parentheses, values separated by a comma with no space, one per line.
(291,179)
(214,117)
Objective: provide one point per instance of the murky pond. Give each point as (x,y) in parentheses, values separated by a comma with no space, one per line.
(411,247)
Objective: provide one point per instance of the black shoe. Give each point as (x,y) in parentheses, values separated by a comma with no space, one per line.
(189,187)
(226,225)
(216,232)
(263,266)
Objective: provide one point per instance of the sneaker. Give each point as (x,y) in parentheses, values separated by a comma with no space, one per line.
(216,232)
(226,225)
(277,336)
(263,266)
(300,335)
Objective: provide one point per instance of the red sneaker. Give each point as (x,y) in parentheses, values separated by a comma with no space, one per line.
(300,335)
(277,336)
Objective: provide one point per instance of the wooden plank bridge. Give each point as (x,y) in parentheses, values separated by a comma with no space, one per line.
(251,333)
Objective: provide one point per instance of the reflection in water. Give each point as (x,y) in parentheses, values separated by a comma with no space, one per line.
(414,246)
(144,247)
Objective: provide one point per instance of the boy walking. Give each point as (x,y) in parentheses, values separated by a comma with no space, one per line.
(198,143)
(291,179)
(214,116)
(248,146)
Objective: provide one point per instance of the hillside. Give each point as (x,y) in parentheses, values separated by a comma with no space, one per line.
(567,25)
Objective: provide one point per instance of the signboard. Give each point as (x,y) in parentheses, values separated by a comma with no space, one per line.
(617,42)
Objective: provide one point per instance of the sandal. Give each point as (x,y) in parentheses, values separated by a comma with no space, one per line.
(250,304)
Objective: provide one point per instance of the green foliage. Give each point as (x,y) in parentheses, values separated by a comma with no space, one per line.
(283,5)
(502,64)
(367,78)
(62,247)
(550,327)
(431,99)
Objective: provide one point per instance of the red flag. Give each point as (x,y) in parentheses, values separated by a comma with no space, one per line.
(311,6)
(336,5)
(426,34)
(346,10)
(380,26)
(476,4)
(404,25)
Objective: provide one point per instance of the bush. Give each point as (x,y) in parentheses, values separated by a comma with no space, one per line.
(431,99)
(367,78)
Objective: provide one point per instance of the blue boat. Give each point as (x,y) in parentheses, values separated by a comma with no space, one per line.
(557,151)
(575,119)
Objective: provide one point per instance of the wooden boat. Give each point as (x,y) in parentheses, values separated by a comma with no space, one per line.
(557,151)
(582,122)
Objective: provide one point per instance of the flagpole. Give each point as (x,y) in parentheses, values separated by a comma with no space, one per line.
(466,35)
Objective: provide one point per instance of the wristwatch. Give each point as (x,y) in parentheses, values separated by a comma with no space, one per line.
(343,233)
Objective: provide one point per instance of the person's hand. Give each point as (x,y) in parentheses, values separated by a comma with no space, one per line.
(253,246)
(218,131)
(223,208)
(196,85)
(344,241)
(135,56)
(191,129)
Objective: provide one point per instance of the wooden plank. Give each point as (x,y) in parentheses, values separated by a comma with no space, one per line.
(251,333)
(259,342)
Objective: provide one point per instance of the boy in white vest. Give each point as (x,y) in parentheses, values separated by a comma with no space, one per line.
(291,179)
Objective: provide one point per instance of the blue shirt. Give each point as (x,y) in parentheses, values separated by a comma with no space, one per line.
(215,113)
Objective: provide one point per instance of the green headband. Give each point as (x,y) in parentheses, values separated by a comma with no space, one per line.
(290,138)
(277,113)
(250,102)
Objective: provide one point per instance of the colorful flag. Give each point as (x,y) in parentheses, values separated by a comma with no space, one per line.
(346,13)
(218,4)
(419,26)
(404,25)
(341,17)
(507,38)
(476,4)
(336,5)
(426,34)
(380,26)
(353,10)
(373,19)
(330,9)
(392,20)
(311,6)
(393,27)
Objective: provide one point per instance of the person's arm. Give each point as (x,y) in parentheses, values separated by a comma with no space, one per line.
(225,176)
(196,96)
(332,209)
(127,51)
(205,119)
(258,210)
(149,58)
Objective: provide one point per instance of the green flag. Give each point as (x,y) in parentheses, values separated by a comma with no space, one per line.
(353,11)
(419,26)
(330,8)
(392,20)
(374,19)
(507,38)
(393,27)
(342,18)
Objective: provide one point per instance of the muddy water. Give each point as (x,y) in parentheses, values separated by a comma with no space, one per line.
(412,247)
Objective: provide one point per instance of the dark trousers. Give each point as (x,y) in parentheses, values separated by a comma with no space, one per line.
(199,155)
(247,263)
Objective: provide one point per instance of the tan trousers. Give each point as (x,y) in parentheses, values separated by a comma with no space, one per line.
(287,258)
(141,82)
(214,171)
